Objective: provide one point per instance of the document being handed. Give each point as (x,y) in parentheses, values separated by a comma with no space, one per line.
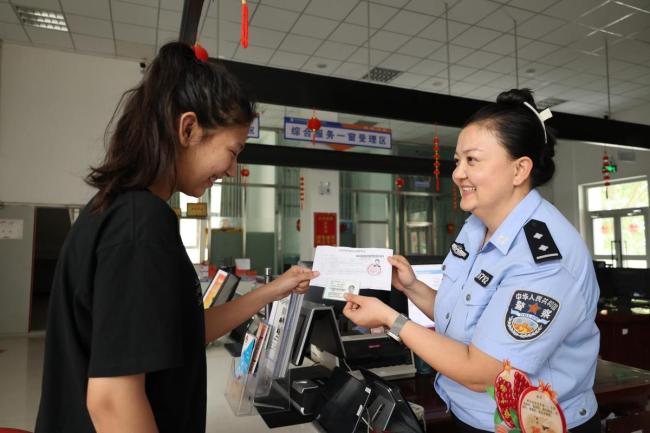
(347,270)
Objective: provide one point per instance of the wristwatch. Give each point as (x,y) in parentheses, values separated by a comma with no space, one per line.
(397,326)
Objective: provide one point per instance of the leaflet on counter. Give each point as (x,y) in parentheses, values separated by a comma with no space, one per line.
(347,270)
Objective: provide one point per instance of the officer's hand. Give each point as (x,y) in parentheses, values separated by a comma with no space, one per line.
(403,275)
(368,312)
(296,279)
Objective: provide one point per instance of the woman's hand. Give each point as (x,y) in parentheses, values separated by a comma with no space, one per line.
(296,279)
(368,312)
(403,275)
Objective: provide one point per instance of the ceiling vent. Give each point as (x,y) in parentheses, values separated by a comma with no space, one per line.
(43,19)
(549,102)
(362,122)
(626,156)
(382,75)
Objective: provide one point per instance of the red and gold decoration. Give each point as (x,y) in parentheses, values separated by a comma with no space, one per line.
(451,228)
(313,125)
(539,411)
(607,169)
(399,183)
(522,407)
(436,159)
(200,52)
(454,197)
(325,228)
(244,24)
(302,192)
(244,172)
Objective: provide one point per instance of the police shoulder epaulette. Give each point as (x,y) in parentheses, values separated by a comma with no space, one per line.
(542,246)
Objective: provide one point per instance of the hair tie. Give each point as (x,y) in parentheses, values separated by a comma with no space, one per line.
(543,116)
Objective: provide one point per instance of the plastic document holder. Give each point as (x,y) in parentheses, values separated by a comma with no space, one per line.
(259,379)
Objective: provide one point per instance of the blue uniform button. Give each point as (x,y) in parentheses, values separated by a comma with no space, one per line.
(583,412)
(447,316)
(468,297)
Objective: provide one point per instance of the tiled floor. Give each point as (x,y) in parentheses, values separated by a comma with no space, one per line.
(21,366)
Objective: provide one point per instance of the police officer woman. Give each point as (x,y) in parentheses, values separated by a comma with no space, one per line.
(518,284)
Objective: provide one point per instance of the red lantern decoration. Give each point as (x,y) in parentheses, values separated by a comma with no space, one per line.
(605,171)
(451,227)
(313,125)
(244,24)
(302,192)
(244,172)
(399,183)
(454,197)
(436,160)
(200,52)
(298,224)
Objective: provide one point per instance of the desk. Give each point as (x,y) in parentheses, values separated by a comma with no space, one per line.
(618,388)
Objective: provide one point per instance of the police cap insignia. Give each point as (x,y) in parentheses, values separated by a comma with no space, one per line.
(459,251)
(529,314)
(541,244)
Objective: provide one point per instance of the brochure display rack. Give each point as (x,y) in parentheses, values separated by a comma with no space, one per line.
(259,379)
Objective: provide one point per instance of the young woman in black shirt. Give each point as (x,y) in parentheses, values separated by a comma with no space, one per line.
(126,336)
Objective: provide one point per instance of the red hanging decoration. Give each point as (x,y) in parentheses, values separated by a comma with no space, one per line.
(200,52)
(302,192)
(244,172)
(244,24)
(605,171)
(436,160)
(313,125)
(399,183)
(454,197)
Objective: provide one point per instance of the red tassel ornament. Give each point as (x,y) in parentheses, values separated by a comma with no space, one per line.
(244,24)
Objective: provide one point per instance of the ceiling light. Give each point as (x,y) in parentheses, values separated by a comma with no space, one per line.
(44,19)
(321,65)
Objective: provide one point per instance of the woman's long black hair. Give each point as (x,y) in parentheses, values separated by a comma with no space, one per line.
(144,143)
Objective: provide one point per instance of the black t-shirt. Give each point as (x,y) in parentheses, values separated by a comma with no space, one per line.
(125,300)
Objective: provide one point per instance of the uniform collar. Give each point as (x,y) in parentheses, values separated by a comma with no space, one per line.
(505,235)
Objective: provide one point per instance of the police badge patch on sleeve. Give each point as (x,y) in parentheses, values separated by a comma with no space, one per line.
(529,314)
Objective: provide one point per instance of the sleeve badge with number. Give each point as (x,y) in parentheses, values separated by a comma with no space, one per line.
(529,314)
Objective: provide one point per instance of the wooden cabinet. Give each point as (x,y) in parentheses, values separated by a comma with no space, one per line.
(625,338)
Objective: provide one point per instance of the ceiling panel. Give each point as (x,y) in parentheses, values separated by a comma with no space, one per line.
(316,27)
(134,14)
(472,11)
(335,50)
(7,14)
(49,37)
(93,44)
(90,8)
(273,18)
(561,42)
(89,26)
(288,60)
(379,14)
(409,23)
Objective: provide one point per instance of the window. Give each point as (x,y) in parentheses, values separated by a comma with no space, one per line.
(619,217)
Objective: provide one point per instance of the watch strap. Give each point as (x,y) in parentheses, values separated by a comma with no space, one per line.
(397,326)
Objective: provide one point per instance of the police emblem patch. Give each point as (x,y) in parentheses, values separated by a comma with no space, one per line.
(459,251)
(529,314)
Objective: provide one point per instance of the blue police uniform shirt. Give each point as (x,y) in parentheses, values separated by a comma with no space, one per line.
(540,316)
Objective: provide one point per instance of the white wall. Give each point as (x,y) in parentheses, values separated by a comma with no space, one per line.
(54,108)
(317,202)
(578,163)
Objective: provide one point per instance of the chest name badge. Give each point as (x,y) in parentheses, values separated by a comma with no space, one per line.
(529,314)
(459,251)
(483,278)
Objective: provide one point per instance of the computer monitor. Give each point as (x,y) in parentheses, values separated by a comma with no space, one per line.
(221,289)
(431,275)
(387,409)
(316,325)
(345,400)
